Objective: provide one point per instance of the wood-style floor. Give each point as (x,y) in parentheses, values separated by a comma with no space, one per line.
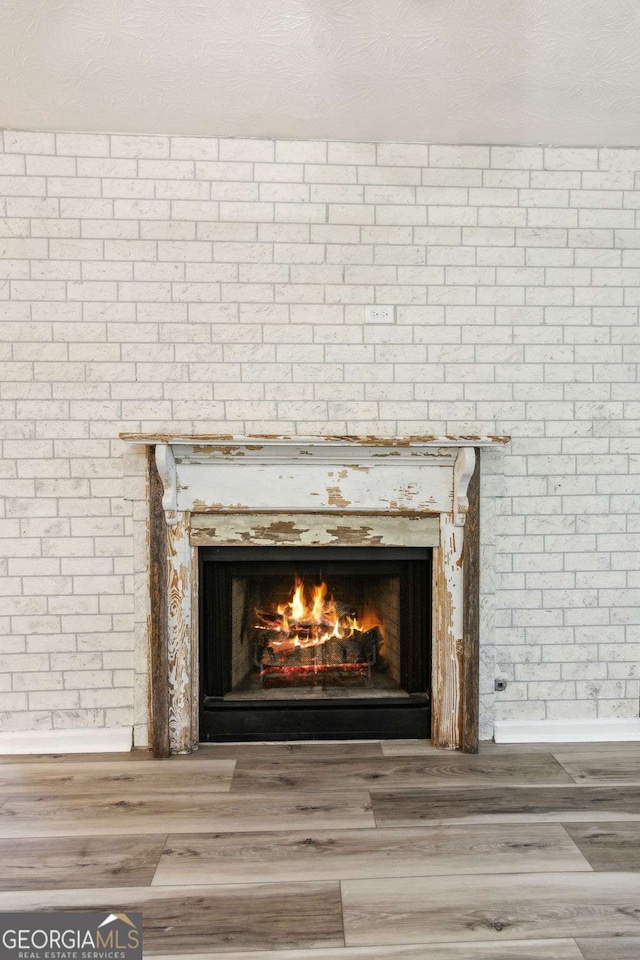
(352,851)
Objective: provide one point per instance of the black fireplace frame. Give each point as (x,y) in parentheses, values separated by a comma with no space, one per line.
(314,719)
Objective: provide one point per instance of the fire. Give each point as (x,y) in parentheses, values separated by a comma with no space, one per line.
(311,617)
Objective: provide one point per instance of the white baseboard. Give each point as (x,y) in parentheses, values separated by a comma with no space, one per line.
(566,731)
(85,740)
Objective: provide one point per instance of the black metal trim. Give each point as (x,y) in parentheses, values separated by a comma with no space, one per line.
(296,554)
(272,720)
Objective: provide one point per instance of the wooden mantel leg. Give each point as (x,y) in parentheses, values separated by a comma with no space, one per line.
(179,600)
(454,648)
(447,635)
(179,596)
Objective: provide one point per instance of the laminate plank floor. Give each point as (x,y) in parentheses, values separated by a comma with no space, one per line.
(36,758)
(620,948)
(68,862)
(608,846)
(324,855)
(207,776)
(450,909)
(512,950)
(337,851)
(536,803)
(615,765)
(308,751)
(182,812)
(444,769)
(214,918)
(412,748)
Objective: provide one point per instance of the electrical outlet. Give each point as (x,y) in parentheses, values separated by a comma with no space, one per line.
(379,314)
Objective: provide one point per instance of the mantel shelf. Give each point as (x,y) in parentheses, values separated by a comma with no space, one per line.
(269,440)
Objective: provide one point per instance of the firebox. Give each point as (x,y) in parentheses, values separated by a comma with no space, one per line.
(314,643)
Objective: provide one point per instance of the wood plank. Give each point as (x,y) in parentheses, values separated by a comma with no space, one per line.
(446,635)
(67,862)
(160,811)
(506,804)
(325,855)
(409,748)
(620,763)
(446,909)
(125,779)
(489,749)
(314,530)
(608,846)
(622,948)
(135,754)
(307,750)
(217,919)
(470,669)
(442,769)
(511,950)
(158,665)
(404,481)
(182,668)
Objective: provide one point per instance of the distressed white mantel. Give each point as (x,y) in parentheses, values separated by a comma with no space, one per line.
(318,491)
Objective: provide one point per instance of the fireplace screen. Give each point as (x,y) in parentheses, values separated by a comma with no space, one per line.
(330,627)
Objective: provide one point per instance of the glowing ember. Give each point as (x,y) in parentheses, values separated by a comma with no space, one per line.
(305,668)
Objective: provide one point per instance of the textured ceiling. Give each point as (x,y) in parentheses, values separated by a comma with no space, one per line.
(516,71)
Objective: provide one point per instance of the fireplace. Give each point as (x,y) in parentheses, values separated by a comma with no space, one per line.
(314,643)
(396,631)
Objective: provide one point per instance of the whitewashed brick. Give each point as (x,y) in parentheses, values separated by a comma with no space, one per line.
(245,149)
(597,219)
(284,192)
(454,216)
(194,148)
(620,159)
(141,209)
(122,188)
(403,154)
(18,141)
(325,173)
(82,144)
(300,151)
(517,158)
(506,178)
(140,146)
(568,158)
(40,166)
(389,175)
(459,156)
(510,318)
(451,177)
(363,153)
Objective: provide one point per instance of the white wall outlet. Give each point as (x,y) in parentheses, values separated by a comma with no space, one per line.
(379,314)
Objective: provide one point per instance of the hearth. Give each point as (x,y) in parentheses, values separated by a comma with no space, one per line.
(314,643)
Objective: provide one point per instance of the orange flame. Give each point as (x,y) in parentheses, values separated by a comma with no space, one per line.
(309,618)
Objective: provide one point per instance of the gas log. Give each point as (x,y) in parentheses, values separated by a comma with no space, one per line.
(359,648)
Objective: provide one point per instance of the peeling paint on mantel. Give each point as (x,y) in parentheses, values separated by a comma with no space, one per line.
(314,530)
(227,440)
(416,474)
(315,475)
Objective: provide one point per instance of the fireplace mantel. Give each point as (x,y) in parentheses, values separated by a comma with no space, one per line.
(430,485)
(312,474)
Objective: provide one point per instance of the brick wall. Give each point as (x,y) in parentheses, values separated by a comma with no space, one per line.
(220,286)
